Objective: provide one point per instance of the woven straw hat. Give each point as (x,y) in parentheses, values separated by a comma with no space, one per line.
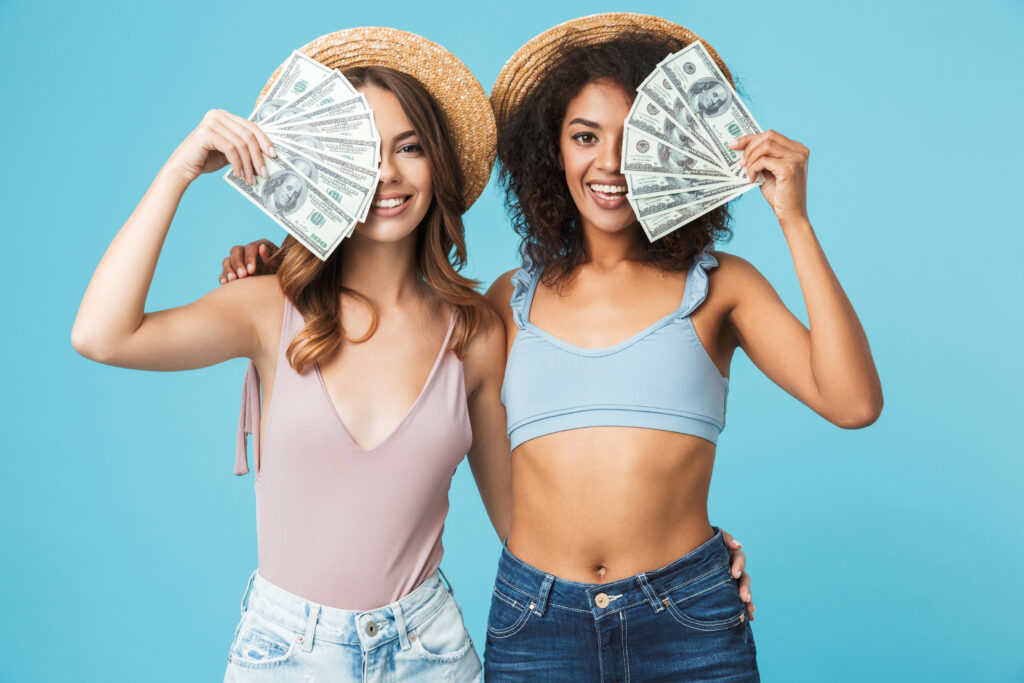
(527,65)
(445,77)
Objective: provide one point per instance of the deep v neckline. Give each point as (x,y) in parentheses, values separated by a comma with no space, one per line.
(408,413)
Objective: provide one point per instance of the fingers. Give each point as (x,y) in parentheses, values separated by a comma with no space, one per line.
(251,256)
(237,261)
(770,144)
(746,595)
(225,270)
(738,563)
(252,144)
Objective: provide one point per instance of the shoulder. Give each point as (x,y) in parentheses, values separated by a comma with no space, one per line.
(500,291)
(259,299)
(484,358)
(736,279)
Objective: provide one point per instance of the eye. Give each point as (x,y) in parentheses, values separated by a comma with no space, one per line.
(411,148)
(586,138)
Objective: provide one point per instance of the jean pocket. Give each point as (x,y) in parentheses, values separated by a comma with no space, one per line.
(711,605)
(508,615)
(443,636)
(261,644)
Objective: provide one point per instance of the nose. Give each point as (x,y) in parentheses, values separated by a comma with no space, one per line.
(610,154)
(389,172)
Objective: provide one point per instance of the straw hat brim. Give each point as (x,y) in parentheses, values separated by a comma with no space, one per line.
(522,72)
(449,81)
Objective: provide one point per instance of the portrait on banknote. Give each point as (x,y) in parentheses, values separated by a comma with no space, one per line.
(284,192)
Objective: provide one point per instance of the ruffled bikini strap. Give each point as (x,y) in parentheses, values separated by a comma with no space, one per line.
(249,422)
(524,281)
(697,281)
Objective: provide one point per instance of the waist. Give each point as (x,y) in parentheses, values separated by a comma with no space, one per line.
(347,627)
(699,570)
(604,503)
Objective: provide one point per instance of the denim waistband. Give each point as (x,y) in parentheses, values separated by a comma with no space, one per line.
(696,571)
(367,629)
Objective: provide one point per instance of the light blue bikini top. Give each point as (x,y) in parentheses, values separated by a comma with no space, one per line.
(660,378)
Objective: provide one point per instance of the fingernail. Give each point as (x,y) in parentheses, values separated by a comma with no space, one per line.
(241,272)
(251,268)
(272,152)
(223,280)
(263,171)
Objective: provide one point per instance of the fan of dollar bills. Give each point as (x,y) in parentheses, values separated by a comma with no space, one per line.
(322,181)
(675,149)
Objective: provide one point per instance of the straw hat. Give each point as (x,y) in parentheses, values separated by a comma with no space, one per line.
(445,77)
(528,64)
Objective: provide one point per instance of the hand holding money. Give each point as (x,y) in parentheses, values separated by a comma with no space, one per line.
(322,181)
(677,153)
(785,160)
(222,138)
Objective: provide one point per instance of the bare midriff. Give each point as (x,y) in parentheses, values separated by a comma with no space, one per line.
(603,503)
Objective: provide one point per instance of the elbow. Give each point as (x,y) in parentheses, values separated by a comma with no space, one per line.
(859,414)
(91,345)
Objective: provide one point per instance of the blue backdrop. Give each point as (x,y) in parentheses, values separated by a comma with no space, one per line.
(887,554)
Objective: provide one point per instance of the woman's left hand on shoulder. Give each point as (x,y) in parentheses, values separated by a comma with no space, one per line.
(784,162)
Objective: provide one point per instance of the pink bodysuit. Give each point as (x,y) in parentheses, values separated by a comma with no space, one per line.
(336,524)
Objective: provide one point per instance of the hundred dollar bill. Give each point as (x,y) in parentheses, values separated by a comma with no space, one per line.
(697,78)
(361,152)
(657,87)
(349,195)
(351,105)
(645,207)
(651,184)
(353,174)
(643,153)
(297,74)
(297,205)
(648,117)
(331,89)
(659,225)
(352,127)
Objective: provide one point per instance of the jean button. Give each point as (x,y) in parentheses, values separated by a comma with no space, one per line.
(371,628)
(601,600)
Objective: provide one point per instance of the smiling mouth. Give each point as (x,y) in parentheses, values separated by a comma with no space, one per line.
(609,192)
(390,203)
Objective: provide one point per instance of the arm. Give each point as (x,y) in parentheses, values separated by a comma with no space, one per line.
(829,366)
(489,457)
(112,325)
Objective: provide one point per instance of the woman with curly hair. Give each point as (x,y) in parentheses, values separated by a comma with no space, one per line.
(617,375)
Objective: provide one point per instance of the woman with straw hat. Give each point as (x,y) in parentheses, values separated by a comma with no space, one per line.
(616,379)
(356,362)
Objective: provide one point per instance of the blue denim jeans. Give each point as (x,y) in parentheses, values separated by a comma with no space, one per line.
(283,637)
(683,622)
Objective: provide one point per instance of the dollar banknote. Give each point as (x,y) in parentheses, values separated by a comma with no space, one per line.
(650,184)
(646,207)
(322,182)
(295,77)
(298,205)
(644,153)
(648,117)
(712,100)
(661,224)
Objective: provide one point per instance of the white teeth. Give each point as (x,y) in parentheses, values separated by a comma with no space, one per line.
(389,203)
(608,189)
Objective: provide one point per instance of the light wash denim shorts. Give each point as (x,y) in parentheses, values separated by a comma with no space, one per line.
(282,637)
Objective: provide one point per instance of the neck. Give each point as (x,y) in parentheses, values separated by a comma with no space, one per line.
(608,249)
(383,272)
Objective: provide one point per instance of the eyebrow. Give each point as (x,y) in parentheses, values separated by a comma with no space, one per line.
(585,122)
(406,134)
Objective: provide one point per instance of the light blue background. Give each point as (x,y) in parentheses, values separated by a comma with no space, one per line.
(888,554)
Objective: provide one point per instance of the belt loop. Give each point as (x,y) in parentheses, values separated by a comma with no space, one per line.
(542,595)
(248,587)
(307,637)
(652,597)
(447,582)
(403,635)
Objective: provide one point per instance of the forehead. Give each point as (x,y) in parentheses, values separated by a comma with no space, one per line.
(601,102)
(388,114)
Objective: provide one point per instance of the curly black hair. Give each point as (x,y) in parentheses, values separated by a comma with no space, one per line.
(543,212)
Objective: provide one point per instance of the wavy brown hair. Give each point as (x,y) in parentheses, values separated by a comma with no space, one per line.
(536,194)
(314,286)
